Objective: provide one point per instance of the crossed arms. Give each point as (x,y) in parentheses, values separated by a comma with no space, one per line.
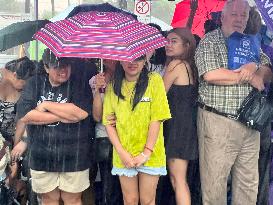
(49,112)
(247,73)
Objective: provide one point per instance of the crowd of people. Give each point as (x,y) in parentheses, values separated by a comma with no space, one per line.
(159,130)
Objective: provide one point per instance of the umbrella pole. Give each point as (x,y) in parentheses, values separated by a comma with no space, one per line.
(101,90)
(36,18)
(101,65)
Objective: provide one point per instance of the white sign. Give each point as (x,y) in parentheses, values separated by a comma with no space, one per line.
(143,10)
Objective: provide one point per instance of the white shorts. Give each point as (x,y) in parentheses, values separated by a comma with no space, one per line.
(72,182)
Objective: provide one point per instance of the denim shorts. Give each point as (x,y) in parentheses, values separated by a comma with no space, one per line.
(131,172)
(3,176)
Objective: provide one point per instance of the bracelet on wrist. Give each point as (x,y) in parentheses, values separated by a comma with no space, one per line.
(148,149)
(145,156)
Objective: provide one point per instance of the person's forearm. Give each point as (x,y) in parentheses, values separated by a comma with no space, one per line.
(40,118)
(152,136)
(265,73)
(67,111)
(19,131)
(221,76)
(113,137)
(97,107)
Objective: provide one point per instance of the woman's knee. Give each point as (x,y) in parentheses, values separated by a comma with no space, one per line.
(131,200)
(51,197)
(177,180)
(147,200)
(71,198)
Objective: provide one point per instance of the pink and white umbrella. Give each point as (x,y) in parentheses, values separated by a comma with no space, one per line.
(106,35)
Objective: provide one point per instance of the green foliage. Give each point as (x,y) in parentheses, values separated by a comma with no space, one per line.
(32,50)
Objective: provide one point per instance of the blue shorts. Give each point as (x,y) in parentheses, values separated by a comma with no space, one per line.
(132,172)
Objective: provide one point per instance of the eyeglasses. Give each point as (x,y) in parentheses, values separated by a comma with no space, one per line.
(172,42)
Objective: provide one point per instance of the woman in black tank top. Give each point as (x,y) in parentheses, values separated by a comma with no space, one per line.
(180,131)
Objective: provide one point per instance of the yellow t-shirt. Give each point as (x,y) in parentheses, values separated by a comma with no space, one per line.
(132,126)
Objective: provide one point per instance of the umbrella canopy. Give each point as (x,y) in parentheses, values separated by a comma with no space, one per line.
(104,7)
(68,11)
(106,35)
(19,33)
(205,7)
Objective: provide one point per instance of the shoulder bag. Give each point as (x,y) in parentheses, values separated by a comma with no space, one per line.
(256,110)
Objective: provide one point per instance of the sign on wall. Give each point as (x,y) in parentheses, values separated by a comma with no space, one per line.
(143,10)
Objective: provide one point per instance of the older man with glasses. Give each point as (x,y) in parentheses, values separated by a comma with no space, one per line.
(226,145)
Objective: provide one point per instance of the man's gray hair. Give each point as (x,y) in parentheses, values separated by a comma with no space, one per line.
(230,2)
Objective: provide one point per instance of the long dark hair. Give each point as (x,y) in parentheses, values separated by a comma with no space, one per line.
(187,37)
(140,87)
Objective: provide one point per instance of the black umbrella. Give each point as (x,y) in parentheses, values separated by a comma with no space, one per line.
(19,33)
(104,7)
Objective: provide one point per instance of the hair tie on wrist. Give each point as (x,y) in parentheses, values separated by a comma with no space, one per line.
(149,149)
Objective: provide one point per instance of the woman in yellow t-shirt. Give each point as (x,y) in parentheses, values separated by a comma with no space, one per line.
(138,100)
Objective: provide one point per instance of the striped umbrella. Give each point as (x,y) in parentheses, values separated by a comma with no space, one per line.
(106,35)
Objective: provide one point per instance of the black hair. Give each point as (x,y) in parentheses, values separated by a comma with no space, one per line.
(210,25)
(197,39)
(159,57)
(50,60)
(140,87)
(23,67)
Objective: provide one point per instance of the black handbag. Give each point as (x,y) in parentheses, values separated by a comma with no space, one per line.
(7,195)
(103,149)
(256,110)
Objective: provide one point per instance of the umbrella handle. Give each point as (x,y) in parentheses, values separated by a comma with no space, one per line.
(101,90)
